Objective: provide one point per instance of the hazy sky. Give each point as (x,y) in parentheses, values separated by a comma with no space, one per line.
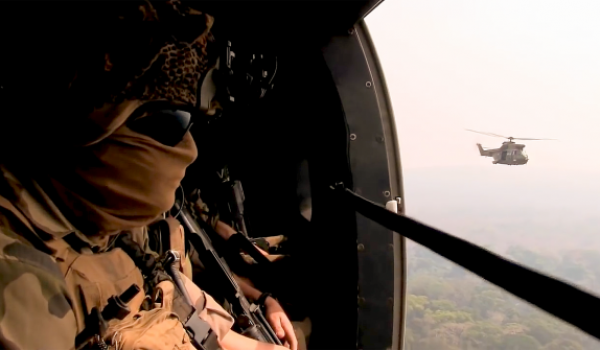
(523,68)
(512,67)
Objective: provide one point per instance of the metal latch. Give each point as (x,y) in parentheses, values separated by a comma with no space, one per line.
(395,205)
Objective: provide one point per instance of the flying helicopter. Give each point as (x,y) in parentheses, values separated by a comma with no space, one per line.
(289,128)
(509,153)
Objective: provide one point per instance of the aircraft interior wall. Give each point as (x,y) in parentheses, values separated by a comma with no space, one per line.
(287,150)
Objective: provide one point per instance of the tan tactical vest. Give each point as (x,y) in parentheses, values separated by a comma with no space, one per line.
(91,277)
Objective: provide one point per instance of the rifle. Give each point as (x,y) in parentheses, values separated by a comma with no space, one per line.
(234,205)
(249,318)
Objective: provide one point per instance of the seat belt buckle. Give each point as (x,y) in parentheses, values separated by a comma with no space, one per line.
(200,333)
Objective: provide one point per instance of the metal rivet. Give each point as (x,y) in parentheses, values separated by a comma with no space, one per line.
(387,193)
(369,84)
(379,138)
(391,246)
(351,31)
(360,247)
(352,137)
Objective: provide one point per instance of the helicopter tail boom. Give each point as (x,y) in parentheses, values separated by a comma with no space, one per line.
(483,152)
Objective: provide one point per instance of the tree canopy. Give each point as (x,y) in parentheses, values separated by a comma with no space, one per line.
(450,309)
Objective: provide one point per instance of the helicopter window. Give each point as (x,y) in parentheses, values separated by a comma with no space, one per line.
(435,53)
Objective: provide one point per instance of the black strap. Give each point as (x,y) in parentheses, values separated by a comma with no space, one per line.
(558,298)
(263,297)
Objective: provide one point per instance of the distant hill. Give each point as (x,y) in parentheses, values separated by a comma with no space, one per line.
(543,209)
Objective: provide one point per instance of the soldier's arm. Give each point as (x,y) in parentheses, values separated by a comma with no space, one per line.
(220,322)
(35,311)
(224,230)
(275,315)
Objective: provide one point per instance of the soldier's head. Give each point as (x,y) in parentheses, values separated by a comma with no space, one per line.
(110,133)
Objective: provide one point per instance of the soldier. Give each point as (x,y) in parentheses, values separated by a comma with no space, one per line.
(290,332)
(106,147)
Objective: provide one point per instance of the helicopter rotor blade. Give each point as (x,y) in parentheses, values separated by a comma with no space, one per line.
(520,138)
(508,137)
(488,133)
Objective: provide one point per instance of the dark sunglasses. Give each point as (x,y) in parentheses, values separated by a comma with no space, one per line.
(163,122)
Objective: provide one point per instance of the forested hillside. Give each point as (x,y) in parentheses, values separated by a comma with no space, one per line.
(449,308)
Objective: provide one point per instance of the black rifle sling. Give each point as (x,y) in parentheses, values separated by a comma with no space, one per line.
(556,297)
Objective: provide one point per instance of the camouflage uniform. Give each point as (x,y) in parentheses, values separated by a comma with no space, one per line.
(51,290)
(32,286)
(45,293)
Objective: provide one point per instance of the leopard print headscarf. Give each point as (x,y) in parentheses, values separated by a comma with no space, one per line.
(78,60)
(159,52)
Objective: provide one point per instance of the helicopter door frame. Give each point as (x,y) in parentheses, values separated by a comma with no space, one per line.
(374,156)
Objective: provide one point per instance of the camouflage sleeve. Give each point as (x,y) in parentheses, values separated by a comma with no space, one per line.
(203,210)
(35,311)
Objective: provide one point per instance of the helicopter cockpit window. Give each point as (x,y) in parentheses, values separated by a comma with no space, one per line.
(505,68)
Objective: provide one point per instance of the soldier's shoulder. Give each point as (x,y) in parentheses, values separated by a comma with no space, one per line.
(18,255)
(33,297)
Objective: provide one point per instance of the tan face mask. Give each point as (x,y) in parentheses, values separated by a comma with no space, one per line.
(122,182)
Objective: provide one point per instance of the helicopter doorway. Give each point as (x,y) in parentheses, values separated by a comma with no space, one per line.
(503,157)
(375,164)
